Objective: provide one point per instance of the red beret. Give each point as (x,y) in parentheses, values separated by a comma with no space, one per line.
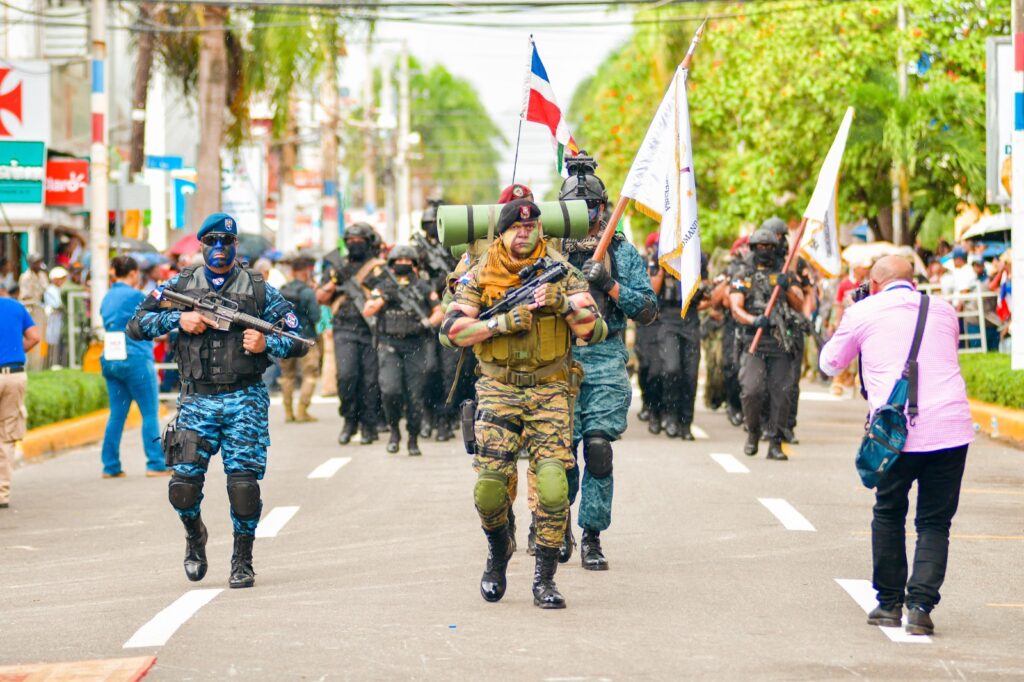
(652,239)
(513,192)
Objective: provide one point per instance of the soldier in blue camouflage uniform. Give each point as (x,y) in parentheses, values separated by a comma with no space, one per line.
(621,288)
(223,403)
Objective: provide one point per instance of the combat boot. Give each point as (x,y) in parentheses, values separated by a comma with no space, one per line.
(492,582)
(395,439)
(750,447)
(368,434)
(568,541)
(654,424)
(512,547)
(789,437)
(289,415)
(644,414)
(673,429)
(735,416)
(413,445)
(775,450)
(347,431)
(590,551)
(444,431)
(545,592)
(303,414)
(195,548)
(426,430)
(242,574)
(531,539)
(685,433)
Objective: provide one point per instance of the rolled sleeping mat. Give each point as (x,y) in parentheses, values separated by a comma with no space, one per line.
(465,224)
(458,249)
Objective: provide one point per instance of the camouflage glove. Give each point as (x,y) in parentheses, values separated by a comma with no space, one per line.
(519,319)
(556,300)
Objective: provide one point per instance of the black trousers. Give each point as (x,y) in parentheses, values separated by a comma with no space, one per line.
(649,372)
(731,365)
(402,376)
(356,363)
(680,361)
(938,475)
(765,376)
(794,387)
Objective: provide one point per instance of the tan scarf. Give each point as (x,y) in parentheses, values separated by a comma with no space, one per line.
(500,269)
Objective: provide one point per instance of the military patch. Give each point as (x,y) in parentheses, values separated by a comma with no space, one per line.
(291,320)
(466,278)
(524,212)
(157,293)
(518,192)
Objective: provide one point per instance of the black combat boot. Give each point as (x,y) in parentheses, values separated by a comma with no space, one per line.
(368,434)
(654,423)
(395,439)
(590,551)
(242,574)
(512,547)
(673,429)
(644,414)
(545,592)
(444,430)
(426,429)
(735,416)
(413,445)
(750,447)
(685,433)
(568,541)
(789,437)
(492,582)
(195,548)
(531,539)
(347,431)
(775,450)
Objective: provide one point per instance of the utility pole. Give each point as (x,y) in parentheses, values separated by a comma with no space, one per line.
(1017,183)
(387,124)
(402,155)
(99,241)
(898,170)
(369,141)
(329,212)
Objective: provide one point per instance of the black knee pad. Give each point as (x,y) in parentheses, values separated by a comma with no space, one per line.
(244,494)
(184,491)
(597,452)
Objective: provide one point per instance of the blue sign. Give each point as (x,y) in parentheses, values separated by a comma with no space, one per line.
(182,193)
(164,163)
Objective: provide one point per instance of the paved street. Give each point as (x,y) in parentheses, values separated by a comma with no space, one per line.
(722,567)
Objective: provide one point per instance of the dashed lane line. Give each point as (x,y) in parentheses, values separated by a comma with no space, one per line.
(330,467)
(864,594)
(699,433)
(729,463)
(786,513)
(272,524)
(164,624)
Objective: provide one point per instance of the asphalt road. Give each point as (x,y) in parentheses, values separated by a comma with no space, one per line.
(723,567)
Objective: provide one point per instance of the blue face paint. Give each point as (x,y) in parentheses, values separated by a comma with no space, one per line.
(219,255)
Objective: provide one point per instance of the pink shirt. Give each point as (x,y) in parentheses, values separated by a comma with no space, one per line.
(881,328)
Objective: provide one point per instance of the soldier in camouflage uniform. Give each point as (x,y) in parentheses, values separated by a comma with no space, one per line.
(223,403)
(523,392)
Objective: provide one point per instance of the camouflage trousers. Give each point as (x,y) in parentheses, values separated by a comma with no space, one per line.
(235,424)
(535,419)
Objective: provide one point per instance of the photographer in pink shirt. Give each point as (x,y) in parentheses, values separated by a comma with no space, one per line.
(880,328)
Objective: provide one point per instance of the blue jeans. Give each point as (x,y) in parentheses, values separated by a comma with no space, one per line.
(128,380)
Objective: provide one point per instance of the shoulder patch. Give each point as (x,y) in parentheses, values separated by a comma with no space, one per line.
(291,320)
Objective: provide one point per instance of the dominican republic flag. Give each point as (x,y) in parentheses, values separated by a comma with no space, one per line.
(539,106)
(1003,300)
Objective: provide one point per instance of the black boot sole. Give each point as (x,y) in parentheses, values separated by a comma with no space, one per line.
(242,584)
(885,622)
(596,567)
(547,605)
(200,574)
(490,599)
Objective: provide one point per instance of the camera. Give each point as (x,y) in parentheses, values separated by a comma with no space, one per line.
(861,292)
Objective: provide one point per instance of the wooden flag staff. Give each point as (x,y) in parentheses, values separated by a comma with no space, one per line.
(790,258)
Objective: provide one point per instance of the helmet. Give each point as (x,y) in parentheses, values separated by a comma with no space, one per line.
(364,231)
(763,235)
(588,187)
(777,225)
(403,251)
(430,212)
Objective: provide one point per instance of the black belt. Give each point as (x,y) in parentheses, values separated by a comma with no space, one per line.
(189,388)
(11,369)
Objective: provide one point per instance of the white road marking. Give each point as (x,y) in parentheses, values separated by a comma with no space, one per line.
(272,524)
(330,467)
(698,433)
(164,624)
(729,463)
(786,513)
(864,594)
(818,397)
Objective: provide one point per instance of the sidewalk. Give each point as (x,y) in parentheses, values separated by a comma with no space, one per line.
(72,433)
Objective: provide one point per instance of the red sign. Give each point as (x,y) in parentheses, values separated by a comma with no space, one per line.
(66,180)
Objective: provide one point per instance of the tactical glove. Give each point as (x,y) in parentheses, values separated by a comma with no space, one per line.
(555,299)
(598,276)
(519,319)
(761,322)
(784,281)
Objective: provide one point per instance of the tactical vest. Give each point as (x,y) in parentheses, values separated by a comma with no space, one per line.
(217,357)
(539,352)
(397,323)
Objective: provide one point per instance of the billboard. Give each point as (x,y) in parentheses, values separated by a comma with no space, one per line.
(25,101)
(999,113)
(66,180)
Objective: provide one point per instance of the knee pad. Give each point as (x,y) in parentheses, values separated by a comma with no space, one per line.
(552,485)
(597,451)
(183,491)
(490,492)
(244,494)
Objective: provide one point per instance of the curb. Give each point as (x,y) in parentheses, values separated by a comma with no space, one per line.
(999,422)
(73,433)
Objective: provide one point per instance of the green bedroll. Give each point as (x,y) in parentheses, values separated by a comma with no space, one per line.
(466,224)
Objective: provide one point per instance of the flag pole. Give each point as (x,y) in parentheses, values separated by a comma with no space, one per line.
(620,206)
(515,160)
(793,249)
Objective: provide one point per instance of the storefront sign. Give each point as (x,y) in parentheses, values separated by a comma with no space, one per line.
(22,172)
(66,180)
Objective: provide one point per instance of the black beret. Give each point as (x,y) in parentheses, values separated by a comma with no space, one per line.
(516,211)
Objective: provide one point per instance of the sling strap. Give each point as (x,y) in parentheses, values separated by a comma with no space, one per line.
(910,369)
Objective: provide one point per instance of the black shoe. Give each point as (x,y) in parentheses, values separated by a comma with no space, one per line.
(413,446)
(590,551)
(195,548)
(368,435)
(645,414)
(775,451)
(444,431)
(492,582)
(242,574)
(568,541)
(919,621)
(886,616)
(545,592)
(531,539)
(750,447)
(686,433)
(673,429)
(654,425)
(735,418)
(347,431)
(426,430)
(511,531)
(394,440)
(789,437)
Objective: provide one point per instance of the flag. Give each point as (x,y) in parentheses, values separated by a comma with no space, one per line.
(662,186)
(1003,301)
(820,243)
(539,106)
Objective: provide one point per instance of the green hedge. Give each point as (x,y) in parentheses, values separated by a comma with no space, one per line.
(990,379)
(54,395)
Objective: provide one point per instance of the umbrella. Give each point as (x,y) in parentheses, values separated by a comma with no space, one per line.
(999,222)
(857,253)
(186,246)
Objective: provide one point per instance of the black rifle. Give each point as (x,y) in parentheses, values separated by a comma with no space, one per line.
(541,273)
(225,313)
(406,300)
(437,260)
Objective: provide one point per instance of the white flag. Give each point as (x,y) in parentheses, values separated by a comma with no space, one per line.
(662,185)
(820,244)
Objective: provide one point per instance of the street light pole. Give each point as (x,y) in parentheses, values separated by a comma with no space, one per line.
(1017,184)
(99,241)
(402,157)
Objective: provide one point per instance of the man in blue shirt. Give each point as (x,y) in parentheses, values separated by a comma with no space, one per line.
(18,333)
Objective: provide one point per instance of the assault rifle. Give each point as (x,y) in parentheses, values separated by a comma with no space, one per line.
(406,300)
(226,313)
(541,273)
(437,260)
